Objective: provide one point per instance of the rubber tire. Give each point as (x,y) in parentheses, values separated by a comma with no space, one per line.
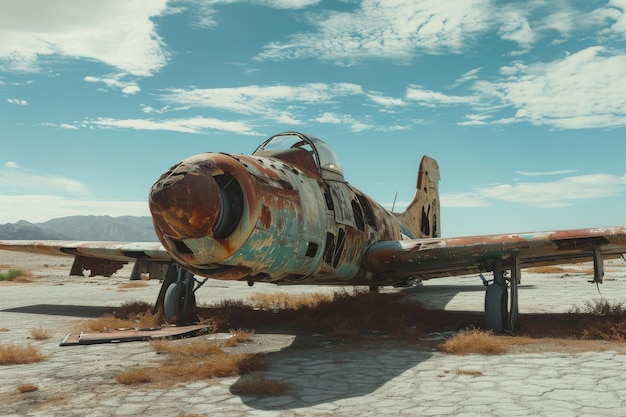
(174,302)
(495,307)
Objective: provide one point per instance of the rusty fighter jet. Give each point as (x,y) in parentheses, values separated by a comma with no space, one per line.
(286,215)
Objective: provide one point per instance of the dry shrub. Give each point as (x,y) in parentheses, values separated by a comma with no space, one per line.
(361,312)
(344,314)
(601,307)
(24,388)
(185,349)
(189,361)
(135,376)
(133,284)
(17,355)
(603,320)
(4,329)
(16,275)
(39,334)
(132,309)
(134,314)
(284,301)
(257,384)
(474,341)
(238,337)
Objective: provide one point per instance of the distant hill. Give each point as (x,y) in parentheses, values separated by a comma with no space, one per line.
(125,228)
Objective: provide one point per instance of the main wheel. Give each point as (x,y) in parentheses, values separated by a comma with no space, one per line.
(180,302)
(496,304)
(512,315)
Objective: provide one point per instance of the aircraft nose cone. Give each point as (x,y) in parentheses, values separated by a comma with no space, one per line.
(185,202)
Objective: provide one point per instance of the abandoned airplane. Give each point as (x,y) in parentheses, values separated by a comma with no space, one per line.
(286,215)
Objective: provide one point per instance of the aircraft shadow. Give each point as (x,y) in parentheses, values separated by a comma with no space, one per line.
(62,310)
(439,296)
(327,370)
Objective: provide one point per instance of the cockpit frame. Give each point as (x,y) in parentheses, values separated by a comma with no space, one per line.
(326,160)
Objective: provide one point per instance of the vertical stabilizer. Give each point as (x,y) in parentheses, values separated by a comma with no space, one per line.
(421,217)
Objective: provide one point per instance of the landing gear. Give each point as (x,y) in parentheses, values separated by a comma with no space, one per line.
(501,297)
(177,295)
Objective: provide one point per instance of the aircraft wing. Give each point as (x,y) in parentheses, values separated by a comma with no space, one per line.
(101,258)
(441,257)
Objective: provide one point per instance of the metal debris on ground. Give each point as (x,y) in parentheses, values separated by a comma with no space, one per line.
(134,335)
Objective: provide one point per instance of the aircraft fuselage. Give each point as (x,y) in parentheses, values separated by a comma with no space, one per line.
(278,215)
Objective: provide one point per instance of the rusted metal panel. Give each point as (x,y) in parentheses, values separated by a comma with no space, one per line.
(422,216)
(342,197)
(134,335)
(120,251)
(95,266)
(201,243)
(432,258)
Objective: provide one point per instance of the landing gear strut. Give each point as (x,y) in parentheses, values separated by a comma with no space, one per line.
(501,297)
(177,296)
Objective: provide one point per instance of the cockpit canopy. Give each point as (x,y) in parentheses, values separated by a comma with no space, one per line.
(324,158)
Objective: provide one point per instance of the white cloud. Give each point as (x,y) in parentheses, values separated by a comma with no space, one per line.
(558,193)
(131,89)
(29,207)
(14,179)
(188,125)
(115,81)
(475,120)
(582,90)
(279,103)
(546,173)
(17,101)
(617,11)
(433,99)
(385,101)
(118,33)
(203,11)
(393,29)
(515,26)
(337,119)
(256,99)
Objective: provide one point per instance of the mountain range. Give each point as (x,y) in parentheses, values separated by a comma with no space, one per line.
(100,228)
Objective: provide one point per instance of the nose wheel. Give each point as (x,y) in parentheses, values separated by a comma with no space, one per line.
(177,296)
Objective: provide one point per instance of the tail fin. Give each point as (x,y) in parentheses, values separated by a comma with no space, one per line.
(421,217)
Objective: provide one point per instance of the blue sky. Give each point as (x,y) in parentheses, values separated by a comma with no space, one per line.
(523,104)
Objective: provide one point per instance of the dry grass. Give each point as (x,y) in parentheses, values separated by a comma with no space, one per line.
(192,360)
(135,376)
(39,333)
(474,341)
(605,320)
(133,284)
(4,329)
(284,301)
(598,325)
(16,275)
(17,355)
(134,314)
(24,388)
(343,314)
(257,384)
(238,337)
